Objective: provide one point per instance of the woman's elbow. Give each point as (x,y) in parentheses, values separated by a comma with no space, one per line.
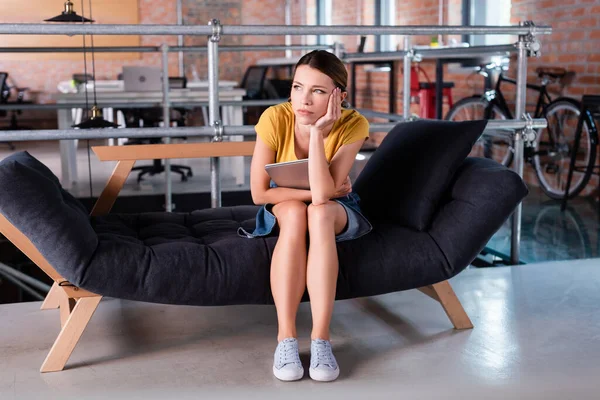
(258,198)
(319,201)
(321,198)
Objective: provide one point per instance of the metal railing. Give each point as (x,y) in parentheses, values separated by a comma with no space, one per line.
(157,49)
(503,128)
(517,130)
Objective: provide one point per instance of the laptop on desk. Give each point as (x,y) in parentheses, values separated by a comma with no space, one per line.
(142,79)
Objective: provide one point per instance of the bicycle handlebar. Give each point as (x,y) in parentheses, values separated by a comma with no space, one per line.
(484,70)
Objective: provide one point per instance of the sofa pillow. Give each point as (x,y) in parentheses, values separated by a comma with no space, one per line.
(405,178)
(32,199)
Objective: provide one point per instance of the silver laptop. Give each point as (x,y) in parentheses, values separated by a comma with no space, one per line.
(142,79)
(291,174)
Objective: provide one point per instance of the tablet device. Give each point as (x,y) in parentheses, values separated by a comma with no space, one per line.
(290,174)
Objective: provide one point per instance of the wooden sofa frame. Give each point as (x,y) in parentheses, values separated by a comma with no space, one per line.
(77,305)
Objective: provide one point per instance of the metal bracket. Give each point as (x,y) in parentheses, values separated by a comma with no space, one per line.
(218,127)
(339,50)
(414,56)
(217,30)
(489,95)
(531,43)
(527,134)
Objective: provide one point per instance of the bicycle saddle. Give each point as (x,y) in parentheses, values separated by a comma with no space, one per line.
(552,72)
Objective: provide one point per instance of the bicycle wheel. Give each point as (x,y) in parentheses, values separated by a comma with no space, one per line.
(497,148)
(553,149)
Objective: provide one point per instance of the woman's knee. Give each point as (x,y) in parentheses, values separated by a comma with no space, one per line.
(292,213)
(322,215)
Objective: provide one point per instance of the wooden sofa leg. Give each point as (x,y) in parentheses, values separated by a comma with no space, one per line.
(52,302)
(70,334)
(66,304)
(442,292)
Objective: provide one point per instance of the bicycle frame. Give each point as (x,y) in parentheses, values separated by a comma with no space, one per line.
(495,96)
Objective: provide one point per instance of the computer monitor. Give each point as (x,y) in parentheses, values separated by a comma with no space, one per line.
(142,79)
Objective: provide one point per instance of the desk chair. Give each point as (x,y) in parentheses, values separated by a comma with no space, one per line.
(5,92)
(253,82)
(154,117)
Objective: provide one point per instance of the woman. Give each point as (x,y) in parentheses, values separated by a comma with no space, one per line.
(311,125)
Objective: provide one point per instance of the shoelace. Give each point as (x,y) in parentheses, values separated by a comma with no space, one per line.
(324,355)
(288,354)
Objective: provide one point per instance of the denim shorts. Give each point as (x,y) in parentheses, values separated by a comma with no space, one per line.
(358,225)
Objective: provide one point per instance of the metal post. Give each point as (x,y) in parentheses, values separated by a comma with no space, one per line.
(518,143)
(338,50)
(180,38)
(407,64)
(288,21)
(24,277)
(213,109)
(166,124)
(22,285)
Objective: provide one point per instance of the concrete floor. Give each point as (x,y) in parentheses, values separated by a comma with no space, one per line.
(536,336)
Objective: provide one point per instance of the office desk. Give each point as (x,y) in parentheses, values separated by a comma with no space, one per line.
(230,115)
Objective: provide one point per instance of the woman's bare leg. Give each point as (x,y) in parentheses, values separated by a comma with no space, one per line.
(288,265)
(324,222)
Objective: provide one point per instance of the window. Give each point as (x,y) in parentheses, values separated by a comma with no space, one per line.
(324,18)
(385,14)
(487,12)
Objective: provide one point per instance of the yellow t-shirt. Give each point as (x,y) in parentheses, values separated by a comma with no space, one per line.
(276,128)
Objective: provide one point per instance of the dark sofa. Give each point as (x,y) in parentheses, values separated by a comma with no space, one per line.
(432,210)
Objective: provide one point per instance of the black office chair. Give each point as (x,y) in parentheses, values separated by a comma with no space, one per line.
(254,83)
(5,93)
(136,117)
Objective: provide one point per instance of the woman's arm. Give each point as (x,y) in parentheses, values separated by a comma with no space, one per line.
(259,179)
(326,179)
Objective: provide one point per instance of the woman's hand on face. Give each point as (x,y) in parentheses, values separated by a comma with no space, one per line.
(343,190)
(334,111)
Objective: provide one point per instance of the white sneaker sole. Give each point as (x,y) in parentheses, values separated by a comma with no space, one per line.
(286,375)
(323,376)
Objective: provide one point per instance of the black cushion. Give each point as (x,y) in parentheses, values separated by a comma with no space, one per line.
(460,227)
(32,199)
(405,177)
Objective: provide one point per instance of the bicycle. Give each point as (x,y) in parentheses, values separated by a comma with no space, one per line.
(550,153)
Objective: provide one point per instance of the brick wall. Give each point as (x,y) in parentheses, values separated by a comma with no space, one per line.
(263,12)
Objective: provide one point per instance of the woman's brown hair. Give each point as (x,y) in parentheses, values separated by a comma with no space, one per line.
(327,63)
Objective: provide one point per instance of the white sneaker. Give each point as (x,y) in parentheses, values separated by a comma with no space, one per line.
(286,363)
(323,366)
